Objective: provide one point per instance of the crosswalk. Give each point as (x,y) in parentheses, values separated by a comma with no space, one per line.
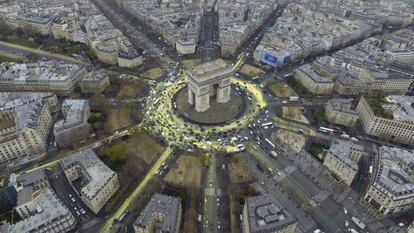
(89,224)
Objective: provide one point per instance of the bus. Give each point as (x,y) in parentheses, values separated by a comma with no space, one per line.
(123,216)
(270,142)
(326,130)
(267,124)
(358,222)
(274,153)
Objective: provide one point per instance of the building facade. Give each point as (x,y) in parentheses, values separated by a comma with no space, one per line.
(99,182)
(392,188)
(94,82)
(161,213)
(50,215)
(25,123)
(185,47)
(312,81)
(341,112)
(44,76)
(342,160)
(394,129)
(74,127)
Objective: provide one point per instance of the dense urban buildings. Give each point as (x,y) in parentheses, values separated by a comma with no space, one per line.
(98,182)
(392,190)
(49,215)
(45,76)
(122,116)
(162,213)
(26,119)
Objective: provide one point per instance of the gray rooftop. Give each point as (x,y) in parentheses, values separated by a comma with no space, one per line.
(50,211)
(92,169)
(266,214)
(309,70)
(342,149)
(74,114)
(32,177)
(343,105)
(167,206)
(395,172)
(402,107)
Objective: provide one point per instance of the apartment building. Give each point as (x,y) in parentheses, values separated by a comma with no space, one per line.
(49,215)
(392,120)
(392,187)
(94,82)
(74,127)
(368,82)
(23,131)
(39,23)
(342,160)
(37,179)
(185,47)
(341,112)
(162,213)
(313,81)
(264,213)
(98,182)
(44,76)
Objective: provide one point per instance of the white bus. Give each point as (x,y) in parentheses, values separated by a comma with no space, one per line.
(267,124)
(326,130)
(274,153)
(270,142)
(358,222)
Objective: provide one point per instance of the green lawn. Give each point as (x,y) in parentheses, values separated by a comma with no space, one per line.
(20,41)
(376,105)
(316,150)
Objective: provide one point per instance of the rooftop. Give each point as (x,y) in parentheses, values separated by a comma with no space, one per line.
(395,172)
(167,206)
(342,149)
(265,214)
(50,210)
(95,173)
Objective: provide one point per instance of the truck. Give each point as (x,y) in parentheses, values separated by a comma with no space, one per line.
(293,98)
(358,222)
(274,153)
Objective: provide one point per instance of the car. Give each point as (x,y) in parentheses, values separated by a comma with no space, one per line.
(73,199)
(345,211)
(346,223)
(82,211)
(78,213)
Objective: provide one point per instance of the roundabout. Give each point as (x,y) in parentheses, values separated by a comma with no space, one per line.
(162,118)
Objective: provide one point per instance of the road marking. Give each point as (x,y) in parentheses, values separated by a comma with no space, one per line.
(138,190)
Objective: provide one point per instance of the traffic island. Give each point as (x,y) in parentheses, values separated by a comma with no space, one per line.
(217,114)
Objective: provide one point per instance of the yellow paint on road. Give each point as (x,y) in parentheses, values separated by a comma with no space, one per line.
(133,129)
(138,190)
